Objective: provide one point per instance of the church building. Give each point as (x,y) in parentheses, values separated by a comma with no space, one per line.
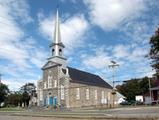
(69,87)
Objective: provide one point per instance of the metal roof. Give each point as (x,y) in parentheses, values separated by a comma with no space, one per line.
(83,77)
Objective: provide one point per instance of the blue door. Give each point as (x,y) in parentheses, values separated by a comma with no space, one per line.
(45,101)
(51,101)
(55,101)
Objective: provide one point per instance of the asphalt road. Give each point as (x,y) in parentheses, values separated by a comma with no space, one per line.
(138,112)
(118,113)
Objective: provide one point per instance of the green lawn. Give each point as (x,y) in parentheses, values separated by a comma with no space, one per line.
(11,109)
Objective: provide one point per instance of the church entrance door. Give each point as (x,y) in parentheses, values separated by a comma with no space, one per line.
(55,101)
(45,101)
(51,100)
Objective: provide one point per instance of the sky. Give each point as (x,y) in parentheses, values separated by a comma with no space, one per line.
(94,32)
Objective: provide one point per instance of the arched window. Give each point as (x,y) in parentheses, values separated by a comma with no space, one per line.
(60,52)
(53,52)
(49,81)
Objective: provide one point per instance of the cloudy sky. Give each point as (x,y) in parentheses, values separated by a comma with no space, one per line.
(93,31)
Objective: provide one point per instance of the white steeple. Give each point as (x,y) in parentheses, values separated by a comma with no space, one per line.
(57,35)
(57,46)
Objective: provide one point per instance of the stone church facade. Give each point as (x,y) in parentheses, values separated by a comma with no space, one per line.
(69,87)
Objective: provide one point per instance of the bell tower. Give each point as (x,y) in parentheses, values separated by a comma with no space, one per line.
(57,46)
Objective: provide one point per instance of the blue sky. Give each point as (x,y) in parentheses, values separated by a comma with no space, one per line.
(93,31)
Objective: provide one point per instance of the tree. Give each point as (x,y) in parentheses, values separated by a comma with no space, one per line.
(3,92)
(135,87)
(144,85)
(29,88)
(28,91)
(154,51)
(25,99)
(14,99)
(129,89)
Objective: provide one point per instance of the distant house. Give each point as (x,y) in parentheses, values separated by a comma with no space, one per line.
(69,87)
(155,94)
(148,97)
(119,98)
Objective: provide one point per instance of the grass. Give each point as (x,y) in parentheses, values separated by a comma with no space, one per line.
(11,109)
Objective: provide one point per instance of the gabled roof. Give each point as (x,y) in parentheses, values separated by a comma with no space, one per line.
(50,64)
(83,77)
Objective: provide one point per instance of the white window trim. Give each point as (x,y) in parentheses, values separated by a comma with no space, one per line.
(87,94)
(40,94)
(55,83)
(49,81)
(77,93)
(95,95)
(102,96)
(62,92)
(108,96)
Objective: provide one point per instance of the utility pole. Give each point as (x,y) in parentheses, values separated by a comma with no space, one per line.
(113,66)
(150,89)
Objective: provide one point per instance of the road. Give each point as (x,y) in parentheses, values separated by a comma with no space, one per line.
(111,114)
(138,112)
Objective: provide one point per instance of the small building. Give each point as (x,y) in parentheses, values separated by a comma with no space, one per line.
(155,94)
(69,87)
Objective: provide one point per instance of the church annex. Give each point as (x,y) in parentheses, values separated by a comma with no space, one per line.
(69,87)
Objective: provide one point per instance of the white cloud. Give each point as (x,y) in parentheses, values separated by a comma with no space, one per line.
(120,51)
(39,57)
(19,9)
(138,55)
(72,30)
(110,14)
(13,85)
(16,84)
(14,47)
(10,36)
(18,54)
(46,26)
(99,61)
(131,60)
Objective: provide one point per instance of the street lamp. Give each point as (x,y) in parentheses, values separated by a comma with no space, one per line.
(113,66)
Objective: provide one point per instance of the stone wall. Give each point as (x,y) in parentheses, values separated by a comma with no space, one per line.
(52,91)
(70,91)
(83,102)
(56,74)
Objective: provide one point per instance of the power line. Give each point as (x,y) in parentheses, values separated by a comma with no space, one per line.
(124,75)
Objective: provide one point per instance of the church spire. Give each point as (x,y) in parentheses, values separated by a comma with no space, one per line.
(57,34)
(57,46)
